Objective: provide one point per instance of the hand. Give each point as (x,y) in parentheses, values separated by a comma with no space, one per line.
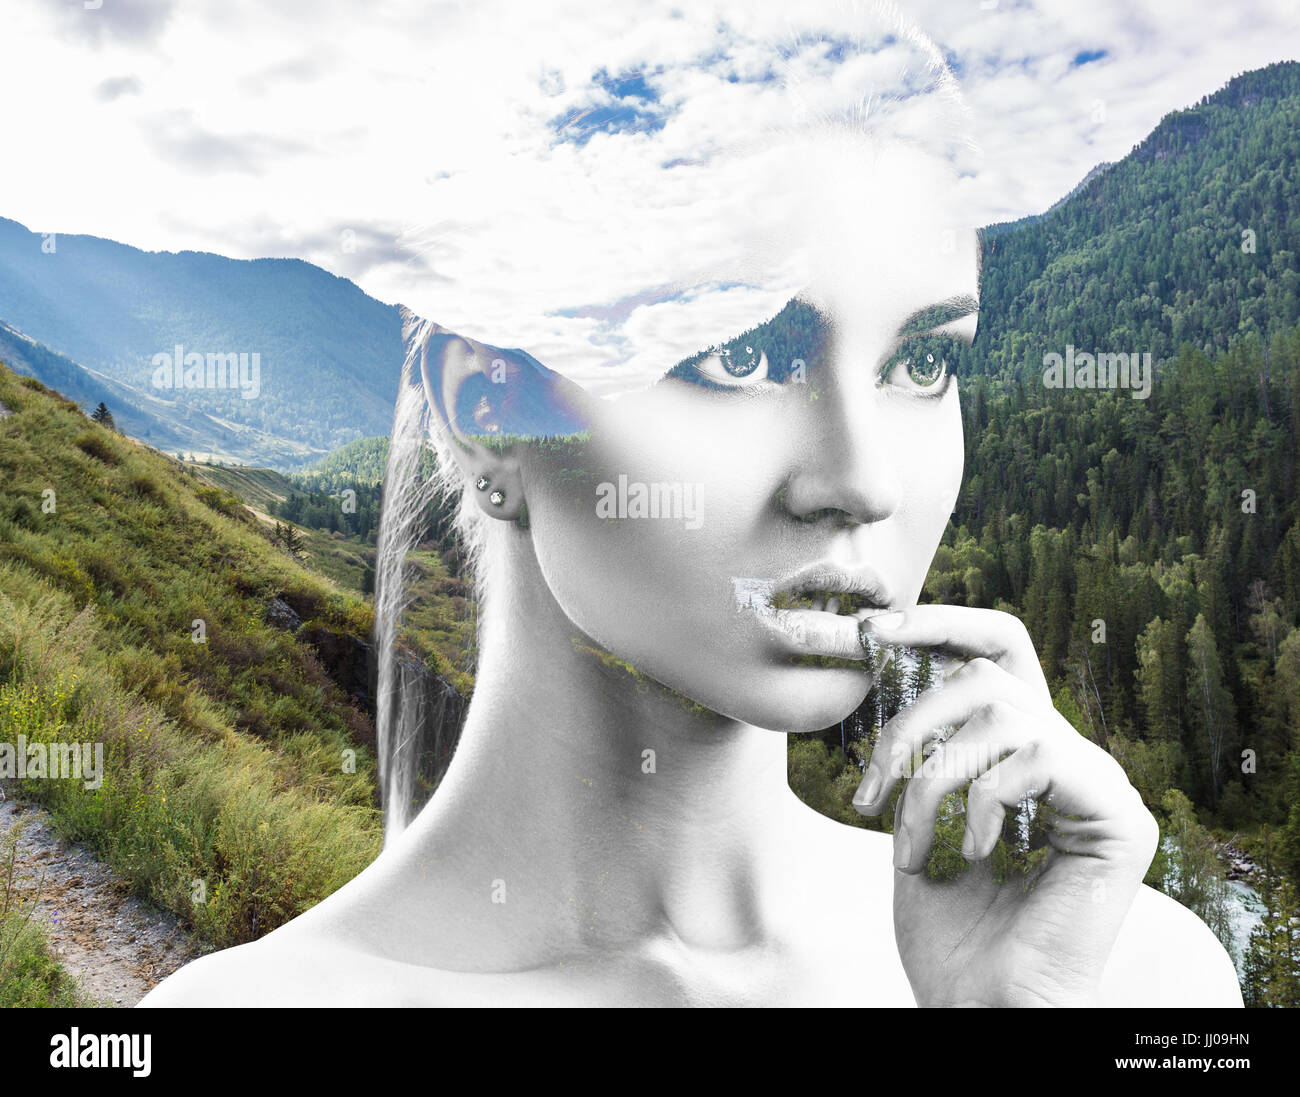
(974,940)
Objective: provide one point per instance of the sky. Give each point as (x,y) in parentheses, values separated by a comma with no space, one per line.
(572,178)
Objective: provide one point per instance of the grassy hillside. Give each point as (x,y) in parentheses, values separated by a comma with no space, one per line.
(346,561)
(341,544)
(134,612)
(258,487)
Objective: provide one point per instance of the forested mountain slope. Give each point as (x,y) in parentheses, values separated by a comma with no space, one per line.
(1194,237)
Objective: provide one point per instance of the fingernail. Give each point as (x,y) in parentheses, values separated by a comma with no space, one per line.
(968,844)
(869,789)
(902,848)
(886,621)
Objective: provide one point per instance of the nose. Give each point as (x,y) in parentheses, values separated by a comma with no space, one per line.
(848,469)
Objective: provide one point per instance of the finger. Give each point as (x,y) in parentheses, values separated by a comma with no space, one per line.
(1092,809)
(810,632)
(976,685)
(960,630)
(996,731)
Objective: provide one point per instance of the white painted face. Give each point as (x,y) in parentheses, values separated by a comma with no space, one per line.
(837,477)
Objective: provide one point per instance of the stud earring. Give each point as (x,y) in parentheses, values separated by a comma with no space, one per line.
(497,498)
(483,483)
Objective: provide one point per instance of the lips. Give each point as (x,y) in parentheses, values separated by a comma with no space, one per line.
(831,589)
(818,609)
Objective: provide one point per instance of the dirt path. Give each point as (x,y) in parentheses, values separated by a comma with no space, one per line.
(117,946)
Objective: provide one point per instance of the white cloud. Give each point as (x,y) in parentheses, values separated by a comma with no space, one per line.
(340,134)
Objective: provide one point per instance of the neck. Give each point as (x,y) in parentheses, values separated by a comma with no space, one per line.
(606,808)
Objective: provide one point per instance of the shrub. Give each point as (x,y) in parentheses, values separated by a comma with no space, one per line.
(269,830)
(98,446)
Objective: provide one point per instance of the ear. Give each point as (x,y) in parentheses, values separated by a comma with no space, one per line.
(487,399)
(494,479)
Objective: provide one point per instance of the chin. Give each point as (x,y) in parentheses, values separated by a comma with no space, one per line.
(796,700)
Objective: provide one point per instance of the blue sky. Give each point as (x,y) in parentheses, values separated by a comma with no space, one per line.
(506,166)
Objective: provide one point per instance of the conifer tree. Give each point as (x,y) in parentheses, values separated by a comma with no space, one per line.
(1271,966)
(1209,702)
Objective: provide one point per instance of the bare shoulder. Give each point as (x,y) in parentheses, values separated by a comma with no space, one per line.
(305,970)
(1166,956)
(298,972)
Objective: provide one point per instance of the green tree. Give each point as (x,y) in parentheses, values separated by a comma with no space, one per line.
(890,690)
(1158,685)
(1271,966)
(103,416)
(922,674)
(1193,873)
(1210,704)
(293,542)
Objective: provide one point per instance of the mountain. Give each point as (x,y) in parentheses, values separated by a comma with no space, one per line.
(327,355)
(1007,226)
(1154,514)
(1191,238)
(26,356)
(362,462)
(165,424)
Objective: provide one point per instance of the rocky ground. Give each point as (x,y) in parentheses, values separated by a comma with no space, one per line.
(1237,862)
(117,946)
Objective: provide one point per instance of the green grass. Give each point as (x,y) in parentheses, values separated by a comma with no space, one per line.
(438,623)
(238,772)
(258,487)
(341,559)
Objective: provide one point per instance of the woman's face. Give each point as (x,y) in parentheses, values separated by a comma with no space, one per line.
(699,530)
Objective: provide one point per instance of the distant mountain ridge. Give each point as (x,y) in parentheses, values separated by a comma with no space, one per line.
(329,354)
(1000,227)
(146,415)
(1190,238)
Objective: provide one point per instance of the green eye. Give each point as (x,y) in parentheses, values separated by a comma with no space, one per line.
(920,365)
(926,373)
(732,369)
(742,363)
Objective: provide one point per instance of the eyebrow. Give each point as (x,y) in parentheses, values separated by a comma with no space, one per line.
(935,316)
